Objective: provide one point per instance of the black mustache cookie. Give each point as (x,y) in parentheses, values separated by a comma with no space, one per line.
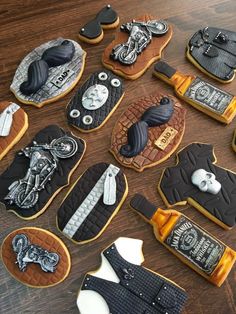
(92,32)
(39,171)
(92,202)
(48,72)
(213,51)
(95,101)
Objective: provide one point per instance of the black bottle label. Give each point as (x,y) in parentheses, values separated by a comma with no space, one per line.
(195,244)
(208,96)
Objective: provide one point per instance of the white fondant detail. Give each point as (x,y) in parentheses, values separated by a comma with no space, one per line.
(130,249)
(109,195)
(102,76)
(91,302)
(87,120)
(206,181)
(75,113)
(88,204)
(6,119)
(95,97)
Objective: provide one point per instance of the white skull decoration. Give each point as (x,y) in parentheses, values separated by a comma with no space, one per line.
(206,181)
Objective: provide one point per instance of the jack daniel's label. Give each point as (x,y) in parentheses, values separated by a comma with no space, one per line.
(195,245)
(209,96)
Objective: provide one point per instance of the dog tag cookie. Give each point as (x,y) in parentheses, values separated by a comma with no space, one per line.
(148,132)
(138,44)
(92,202)
(197,180)
(13,125)
(36,257)
(49,72)
(95,101)
(39,171)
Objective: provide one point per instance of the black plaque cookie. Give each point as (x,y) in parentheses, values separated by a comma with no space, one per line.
(92,202)
(95,101)
(197,180)
(39,171)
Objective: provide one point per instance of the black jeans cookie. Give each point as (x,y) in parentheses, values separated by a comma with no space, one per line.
(39,171)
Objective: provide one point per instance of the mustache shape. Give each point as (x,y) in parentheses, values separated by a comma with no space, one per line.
(39,69)
(138,132)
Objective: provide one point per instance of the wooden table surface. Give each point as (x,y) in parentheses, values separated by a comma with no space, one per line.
(27,24)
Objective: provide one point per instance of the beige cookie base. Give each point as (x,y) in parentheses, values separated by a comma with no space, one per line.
(108,222)
(98,39)
(189,200)
(53,99)
(104,121)
(197,65)
(56,192)
(226,117)
(234,141)
(37,267)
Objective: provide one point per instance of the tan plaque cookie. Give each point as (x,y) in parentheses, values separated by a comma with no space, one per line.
(36,257)
(13,125)
(138,44)
(148,132)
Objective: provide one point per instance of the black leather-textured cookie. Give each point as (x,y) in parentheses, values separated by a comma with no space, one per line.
(95,101)
(31,182)
(85,213)
(213,50)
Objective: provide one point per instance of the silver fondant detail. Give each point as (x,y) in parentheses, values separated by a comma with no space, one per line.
(6,119)
(95,97)
(75,113)
(102,76)
(87,120)
(109,195)
(115,82)
(88,204)
(206,181)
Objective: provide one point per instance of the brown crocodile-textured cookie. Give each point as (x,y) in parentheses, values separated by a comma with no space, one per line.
(18,129)
(163,140)
(34,276)
(144,60)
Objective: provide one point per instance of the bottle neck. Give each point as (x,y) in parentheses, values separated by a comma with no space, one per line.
(178,79)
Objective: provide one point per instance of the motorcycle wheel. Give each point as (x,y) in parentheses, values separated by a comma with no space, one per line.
(50,261)
(20,196)
(123,55)
(157,27)
(64,147)
(19,242)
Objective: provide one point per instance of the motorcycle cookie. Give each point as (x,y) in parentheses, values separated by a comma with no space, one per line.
(123,285)
(213,51)
(92,32)
(137,46)
(92,202)
(39,171)
(197,180)
(49,72)
(148,132)
(36,257)
(13,125)
(95,101)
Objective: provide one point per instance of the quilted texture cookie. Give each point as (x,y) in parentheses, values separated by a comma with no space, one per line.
(33,275)
(92,202)
(148,132)
(40,171)
(95,101)
(49,72)
(138,44)
(13,125)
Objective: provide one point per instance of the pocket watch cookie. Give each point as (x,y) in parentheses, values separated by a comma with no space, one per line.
(49,72)
(213,51)
(95,101)
(148,132)
(92,202)
(138,44)
(39,171)
(197,180)
(36,257)
(13,125)
(234,141)
(123,285)
(92,32)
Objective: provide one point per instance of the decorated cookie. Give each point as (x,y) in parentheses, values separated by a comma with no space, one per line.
(95,101)
(92,32)
(92,202)
(123,285)
(39,171)
(234,141)
(213,51)
(138,44)
(13,125)
(49,72)
(148,132)
(36,257)
(198,181)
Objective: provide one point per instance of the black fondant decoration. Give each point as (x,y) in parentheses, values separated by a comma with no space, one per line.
(214,50)
(38,69)
(138,133)
(139,290)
